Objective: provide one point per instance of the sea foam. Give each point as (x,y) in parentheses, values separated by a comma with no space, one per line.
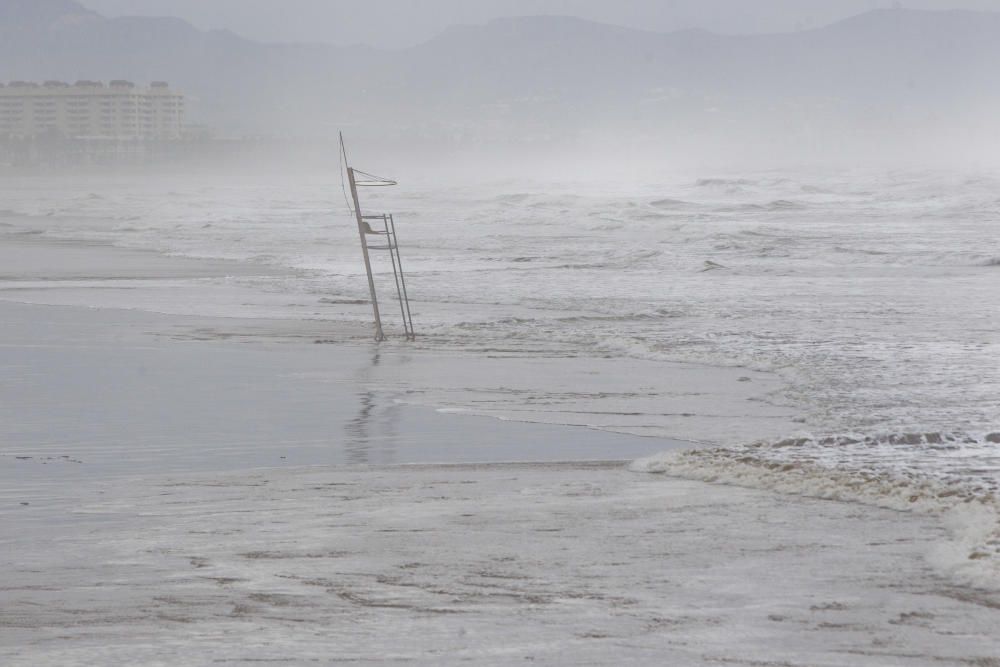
(969,510)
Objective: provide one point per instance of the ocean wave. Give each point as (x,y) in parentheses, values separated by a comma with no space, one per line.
(970,507)
(723,182)
(670,203)
(784,205)
(649,315)
(646,315)
(513,198)
(769,207)
(615,259)
(858,251)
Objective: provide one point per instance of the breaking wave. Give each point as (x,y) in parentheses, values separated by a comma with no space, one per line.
(968,504)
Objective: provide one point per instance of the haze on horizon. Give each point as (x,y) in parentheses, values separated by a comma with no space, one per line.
(908,83)
(403,23)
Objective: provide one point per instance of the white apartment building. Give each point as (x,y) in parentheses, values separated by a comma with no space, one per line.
(91,110)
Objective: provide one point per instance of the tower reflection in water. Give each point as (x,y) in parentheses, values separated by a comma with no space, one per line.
(372,436)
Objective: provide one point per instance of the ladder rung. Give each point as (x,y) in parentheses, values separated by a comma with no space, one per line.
(381,247)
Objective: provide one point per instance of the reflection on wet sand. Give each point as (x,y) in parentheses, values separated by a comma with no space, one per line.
(375,426)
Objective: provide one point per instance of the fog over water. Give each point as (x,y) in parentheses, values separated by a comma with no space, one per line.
(884,87)
(404,23)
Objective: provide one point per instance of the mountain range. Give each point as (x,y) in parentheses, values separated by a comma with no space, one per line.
(542,76)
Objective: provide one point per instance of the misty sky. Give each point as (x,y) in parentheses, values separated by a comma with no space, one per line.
(406,22)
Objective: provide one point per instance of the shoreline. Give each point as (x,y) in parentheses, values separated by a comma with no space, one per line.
(92,394)
(202,300)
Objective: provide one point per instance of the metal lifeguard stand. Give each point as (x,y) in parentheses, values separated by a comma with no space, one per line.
(388,231)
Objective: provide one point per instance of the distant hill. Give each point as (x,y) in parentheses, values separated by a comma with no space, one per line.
(542,77)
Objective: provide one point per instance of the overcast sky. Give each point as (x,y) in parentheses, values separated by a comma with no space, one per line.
(406,22)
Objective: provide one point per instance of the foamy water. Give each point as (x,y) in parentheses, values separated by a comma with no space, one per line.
(875,296)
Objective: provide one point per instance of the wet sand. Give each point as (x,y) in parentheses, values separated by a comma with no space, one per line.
(582,564)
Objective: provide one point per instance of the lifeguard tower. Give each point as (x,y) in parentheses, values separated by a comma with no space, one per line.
(384,231)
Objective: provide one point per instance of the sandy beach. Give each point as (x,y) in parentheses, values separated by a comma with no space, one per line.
(186,489)
(493,564)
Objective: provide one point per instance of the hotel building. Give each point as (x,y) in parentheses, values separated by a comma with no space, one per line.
(91,110)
